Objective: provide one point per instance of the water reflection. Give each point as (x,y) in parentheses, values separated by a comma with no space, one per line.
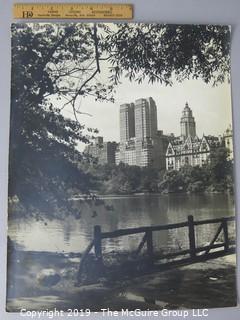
(73,235)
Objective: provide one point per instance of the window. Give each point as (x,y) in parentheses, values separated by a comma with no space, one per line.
(204,146)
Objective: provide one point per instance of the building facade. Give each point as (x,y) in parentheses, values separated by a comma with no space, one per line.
(103,151)
(127,122)
(141,144)
(145,119)
(187,123)
(190,150)
(228,141)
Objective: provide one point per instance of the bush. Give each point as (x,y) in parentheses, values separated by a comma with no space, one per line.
(195,187)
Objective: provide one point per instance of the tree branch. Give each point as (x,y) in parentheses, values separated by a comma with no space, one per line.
(95,38)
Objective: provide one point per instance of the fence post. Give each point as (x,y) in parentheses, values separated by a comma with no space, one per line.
(225,232)
(191,235)
(98,243)
(149,241)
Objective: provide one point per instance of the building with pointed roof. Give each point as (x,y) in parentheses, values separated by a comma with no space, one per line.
(187,123)
(189,149)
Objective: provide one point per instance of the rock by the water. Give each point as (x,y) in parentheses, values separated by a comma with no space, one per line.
(48,277)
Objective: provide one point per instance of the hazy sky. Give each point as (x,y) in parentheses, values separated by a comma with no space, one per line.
(211,107)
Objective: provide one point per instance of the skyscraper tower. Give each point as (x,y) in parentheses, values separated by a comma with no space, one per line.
(141,144)
(188,125)
(145,118)
(127,122)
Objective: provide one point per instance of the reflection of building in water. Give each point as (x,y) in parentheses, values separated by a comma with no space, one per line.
(189,149)
(103,151)
(141,144)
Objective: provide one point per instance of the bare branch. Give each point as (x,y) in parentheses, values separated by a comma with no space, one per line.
(95,38)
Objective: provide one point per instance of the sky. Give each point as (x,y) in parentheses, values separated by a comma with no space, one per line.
(211,107)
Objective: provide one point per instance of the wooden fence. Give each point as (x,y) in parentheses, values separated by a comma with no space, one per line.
(193,253)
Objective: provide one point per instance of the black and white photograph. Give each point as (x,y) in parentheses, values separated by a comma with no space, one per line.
(121,180)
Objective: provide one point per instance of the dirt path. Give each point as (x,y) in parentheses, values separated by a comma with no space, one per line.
(202,285)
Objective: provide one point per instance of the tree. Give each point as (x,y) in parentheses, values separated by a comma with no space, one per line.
(165,53)
(53,66)
(173,181)
(220,167)
(150,178)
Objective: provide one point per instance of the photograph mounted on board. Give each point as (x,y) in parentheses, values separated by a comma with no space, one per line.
(121,190)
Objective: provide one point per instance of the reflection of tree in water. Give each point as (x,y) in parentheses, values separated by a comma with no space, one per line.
(201,206)
(159,210)
(75,235)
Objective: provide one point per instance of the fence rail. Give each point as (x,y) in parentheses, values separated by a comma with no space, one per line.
(194,253)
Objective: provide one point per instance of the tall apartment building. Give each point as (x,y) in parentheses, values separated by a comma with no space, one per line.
(103,151)
(145,118)
(141,144)
(127,122)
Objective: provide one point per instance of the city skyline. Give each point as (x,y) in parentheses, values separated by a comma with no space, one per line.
(142,144)
(207,102)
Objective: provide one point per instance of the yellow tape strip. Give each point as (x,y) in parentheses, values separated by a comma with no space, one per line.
(72,11)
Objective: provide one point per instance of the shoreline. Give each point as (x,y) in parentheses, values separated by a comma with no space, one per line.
(144,194)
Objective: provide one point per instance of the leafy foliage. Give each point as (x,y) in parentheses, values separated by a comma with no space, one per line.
(124,179)
(170,52)
(50,65)
(216,176)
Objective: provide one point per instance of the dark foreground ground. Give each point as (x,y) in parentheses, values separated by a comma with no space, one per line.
(202,285)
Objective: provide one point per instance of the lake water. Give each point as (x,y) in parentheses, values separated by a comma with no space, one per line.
(73,235)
